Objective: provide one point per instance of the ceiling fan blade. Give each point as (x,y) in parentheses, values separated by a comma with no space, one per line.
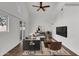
(43,9)
(38,9)
(35,6)
(46,6)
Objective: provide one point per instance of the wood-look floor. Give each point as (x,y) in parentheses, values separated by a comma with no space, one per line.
(15,51)
(18,51)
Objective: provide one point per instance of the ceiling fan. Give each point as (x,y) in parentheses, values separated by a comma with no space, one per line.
(41,6)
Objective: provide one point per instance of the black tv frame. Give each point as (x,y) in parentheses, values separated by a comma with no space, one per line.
(62,31)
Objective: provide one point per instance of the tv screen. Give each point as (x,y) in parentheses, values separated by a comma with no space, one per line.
(62,31)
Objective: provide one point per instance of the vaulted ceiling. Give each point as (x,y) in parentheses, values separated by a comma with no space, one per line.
(48,15)
(40,17)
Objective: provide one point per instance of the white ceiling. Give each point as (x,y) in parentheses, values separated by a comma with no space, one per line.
(48,15)
(45,19)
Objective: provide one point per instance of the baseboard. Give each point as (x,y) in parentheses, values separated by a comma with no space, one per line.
(11,49)
(69,51)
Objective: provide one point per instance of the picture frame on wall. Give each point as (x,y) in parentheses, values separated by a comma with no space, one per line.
(4,23)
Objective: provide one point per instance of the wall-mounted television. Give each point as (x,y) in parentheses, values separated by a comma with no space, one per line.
(61,30)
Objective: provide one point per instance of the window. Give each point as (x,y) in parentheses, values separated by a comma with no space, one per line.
(3,23)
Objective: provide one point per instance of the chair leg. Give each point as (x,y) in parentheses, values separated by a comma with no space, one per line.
(55,53)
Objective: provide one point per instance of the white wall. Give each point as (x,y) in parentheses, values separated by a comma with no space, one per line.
(17,9)
(16,12)
(70,18)
(24,14)
(10,39)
